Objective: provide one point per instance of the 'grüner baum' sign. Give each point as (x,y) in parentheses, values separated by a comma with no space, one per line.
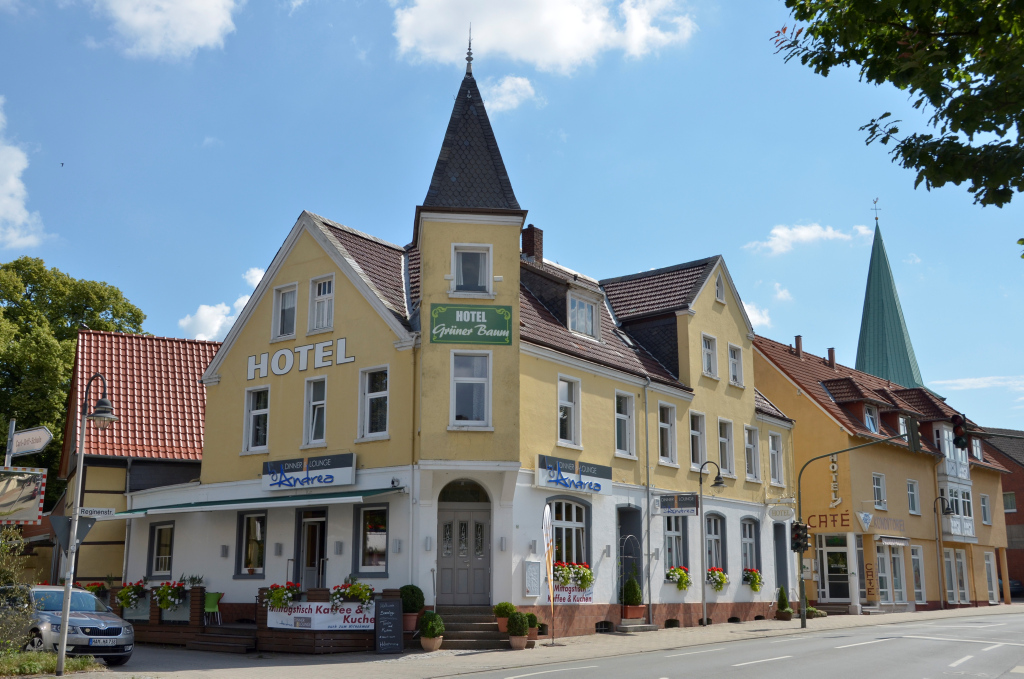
(470,324)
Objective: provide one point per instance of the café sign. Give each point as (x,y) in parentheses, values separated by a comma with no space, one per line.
(470,324)
(321,616)
(313,472)
(581,477)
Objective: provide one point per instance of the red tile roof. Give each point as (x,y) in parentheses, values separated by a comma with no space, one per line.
(766,407)
(154,385)
(658,291)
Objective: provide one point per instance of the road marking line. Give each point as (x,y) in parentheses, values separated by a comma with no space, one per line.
(991,647)
(969,641)
(864,643)
(1019,669)
(998,624)
(566,669)
(676,655)
(754,662)
(961,660)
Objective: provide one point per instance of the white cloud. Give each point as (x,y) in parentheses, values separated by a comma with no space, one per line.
(1012,382)
(294,5)
(209,141)
(212,322)
(171,29)
(912,259)
(782,294)
(9,6)
(862,230)
(508,93)
(19,228)
(759,317)
(253,275)
(782,238)
(551,35)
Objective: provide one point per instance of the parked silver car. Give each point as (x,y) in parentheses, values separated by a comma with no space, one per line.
(94,630)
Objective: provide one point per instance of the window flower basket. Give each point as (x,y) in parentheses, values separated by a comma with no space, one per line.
(679,575)
(130,595)
(569,574)
(352,591)
(169,595)
(717,578)
(97,588)
(279,596)
(752,577)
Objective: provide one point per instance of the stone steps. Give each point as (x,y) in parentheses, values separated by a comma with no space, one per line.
(474,644)
(224,640)
(471,628)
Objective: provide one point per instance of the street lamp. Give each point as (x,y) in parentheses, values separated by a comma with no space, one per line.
(947,510)
(718,483)
(102,416)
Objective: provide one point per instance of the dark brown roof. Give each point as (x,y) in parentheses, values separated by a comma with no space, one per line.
(1012,448)
(154,385)
(766,407)
(658,291)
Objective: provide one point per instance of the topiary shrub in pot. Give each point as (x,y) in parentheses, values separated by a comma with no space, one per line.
(632,599)
(531,623)
(518,630)
(783,612)
(412,604)
(502,612)
(431,631)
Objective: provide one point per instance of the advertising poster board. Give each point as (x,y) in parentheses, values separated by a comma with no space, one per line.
(387,630)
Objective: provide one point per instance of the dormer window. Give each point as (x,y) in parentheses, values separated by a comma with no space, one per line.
(582,316)
(720,289)
(976,448)
(871,418)
(471,269)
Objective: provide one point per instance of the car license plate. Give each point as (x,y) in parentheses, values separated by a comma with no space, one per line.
(103,642)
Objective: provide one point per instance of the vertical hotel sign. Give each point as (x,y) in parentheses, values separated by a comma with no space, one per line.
(470,324)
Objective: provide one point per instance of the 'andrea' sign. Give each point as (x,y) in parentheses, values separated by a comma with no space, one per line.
(324,355)
(315,472)
(470,324)
(685,504)
(581,477)
(321,616)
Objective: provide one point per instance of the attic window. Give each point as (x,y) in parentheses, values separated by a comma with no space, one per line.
(720,289)
(582,316)
(871,418)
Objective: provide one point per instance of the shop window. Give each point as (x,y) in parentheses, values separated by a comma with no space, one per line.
(568,411)
(284,311)
(624,424)
(472,268)
(667,433)
(257,416)
(714,542)
(583,316)
(251,546)
(751,454)
(986,510)
(675,542)
(569,526)
(471,389)
(871,418)
(697,450)
(373,403)
(749,548)
(735,366)
(878,485)
(917,570)
(371,530)
(709,351)
(316,411)
(161,549)
(882,569)
(775,457)
(913,497)
(321,303)
(725,447)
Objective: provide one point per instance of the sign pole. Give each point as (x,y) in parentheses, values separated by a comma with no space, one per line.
(10,444)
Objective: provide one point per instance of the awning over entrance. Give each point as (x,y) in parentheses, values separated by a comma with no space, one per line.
(348,497)
(893,541)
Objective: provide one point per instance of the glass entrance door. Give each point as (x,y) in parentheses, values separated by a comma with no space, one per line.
(836,568)
(311,562)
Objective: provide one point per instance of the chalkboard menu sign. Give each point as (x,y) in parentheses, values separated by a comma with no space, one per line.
(387,625)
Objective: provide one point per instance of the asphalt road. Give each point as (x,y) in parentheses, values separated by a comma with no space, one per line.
(971,647)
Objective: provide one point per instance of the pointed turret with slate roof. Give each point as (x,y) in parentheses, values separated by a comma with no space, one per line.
(884,349)
(470,172)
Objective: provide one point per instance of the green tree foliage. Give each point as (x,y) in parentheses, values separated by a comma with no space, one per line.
(15,599)
(962,61)
(41,311)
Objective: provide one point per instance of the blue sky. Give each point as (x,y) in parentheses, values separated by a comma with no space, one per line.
(638,134)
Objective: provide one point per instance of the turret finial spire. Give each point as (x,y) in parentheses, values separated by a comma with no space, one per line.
(876,210)
(469,52)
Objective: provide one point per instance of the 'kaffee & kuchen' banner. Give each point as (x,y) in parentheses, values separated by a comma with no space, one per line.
(321,616)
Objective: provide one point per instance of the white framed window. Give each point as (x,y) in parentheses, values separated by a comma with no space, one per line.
(624,429)
(667,433)
(584,316)
(257,419)
(990,577)
(709,353)
(748,543)
(316,412)
(917,570)
(321,303)
(697,446)
(882,566)
(725,446)
(878,484)
(976,448)
(675,542)
(775,457)
(569,525)
(719,289)
(285,304)
(966,506)
(714,539)
(161,548)
(373,539)
(961,576)
(986,510)
(751,454)
(568,411)
(373,403)
(251,544)
(903,425)
(470,389)
(735,365)
(1009,503)
(913,497)
(471,270)
(871,418)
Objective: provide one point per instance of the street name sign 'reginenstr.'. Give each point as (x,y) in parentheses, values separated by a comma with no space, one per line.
(470,324)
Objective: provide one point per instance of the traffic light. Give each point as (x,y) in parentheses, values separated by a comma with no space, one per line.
(799,538)
(959,431)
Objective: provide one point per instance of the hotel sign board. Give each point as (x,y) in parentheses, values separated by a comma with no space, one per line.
(314,472)
(581,477)
(470,324)
(685,504)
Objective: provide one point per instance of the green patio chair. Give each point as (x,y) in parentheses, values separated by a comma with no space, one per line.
(212,609)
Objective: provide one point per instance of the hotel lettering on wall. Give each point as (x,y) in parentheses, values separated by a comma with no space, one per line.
(314,472)
(320,355)
(470,324)
(833,468)
(555,473)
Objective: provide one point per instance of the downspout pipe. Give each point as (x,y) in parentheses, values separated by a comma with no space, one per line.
(647,509)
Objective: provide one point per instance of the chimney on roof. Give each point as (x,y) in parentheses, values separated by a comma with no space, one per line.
(799,346)
(533,243)
(832,358)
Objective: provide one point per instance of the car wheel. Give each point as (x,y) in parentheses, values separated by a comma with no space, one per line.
(35,642)
(116,660)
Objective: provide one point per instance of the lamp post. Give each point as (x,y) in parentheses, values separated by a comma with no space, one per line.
(103,415)
(718,483)
(947,510)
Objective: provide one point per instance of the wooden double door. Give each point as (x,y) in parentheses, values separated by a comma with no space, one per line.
(464,554)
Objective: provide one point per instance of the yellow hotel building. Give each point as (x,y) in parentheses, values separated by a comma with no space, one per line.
(405,414)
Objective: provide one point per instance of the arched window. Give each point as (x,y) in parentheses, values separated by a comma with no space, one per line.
(569,523)
(749,544)
(714,540)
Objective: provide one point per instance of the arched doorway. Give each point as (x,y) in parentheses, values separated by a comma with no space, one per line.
(463,545)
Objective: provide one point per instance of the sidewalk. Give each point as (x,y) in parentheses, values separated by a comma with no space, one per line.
(174,663)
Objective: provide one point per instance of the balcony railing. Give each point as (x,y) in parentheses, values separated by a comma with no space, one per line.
(958,470)
(958,525)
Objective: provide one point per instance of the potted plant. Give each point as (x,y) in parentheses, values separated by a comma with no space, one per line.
(531,622)
(783,612)
(717,578)
(279,596)
(130,593)
(632,599)
(502,612)
(679,575)
(518,630)
(412,604)
(752,577)
(352,591)
(570,574)
(99,589)
(169,595)
(431,629)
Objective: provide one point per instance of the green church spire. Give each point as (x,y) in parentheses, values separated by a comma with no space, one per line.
(884,349)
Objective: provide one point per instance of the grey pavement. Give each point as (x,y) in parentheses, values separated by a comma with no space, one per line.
(925,645)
